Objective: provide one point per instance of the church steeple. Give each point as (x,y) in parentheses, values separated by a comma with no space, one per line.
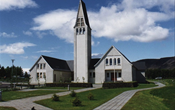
(82,44)
(82,17)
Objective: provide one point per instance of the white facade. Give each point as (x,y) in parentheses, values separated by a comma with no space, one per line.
(41,73)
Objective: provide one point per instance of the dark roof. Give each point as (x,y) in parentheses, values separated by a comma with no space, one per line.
(93,62)
(85,13)
(57,64)
(140,65)
(71,64)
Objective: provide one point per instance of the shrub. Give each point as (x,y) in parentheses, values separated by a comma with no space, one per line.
(73,93)
(76,102)
(90,96)
(55,97)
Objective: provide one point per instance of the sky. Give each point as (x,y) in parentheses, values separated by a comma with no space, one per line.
(140,29)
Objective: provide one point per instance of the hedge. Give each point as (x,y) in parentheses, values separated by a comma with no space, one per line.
(70,84)
(120,84)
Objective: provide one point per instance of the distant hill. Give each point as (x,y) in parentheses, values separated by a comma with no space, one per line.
(162,63)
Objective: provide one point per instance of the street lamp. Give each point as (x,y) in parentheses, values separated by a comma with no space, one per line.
(12,69)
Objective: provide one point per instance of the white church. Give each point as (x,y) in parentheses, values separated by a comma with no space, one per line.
(112,67)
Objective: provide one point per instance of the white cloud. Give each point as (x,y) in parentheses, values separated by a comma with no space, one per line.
(15,48)
(96,55)
(25,70)
(40,34)
(129,20)
(14,4)
(4,34)
(28,33)
(44,51)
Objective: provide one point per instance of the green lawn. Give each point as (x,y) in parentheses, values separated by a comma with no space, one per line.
(7,108)
(156,99)
(11,95)
(63,88)
(101,96)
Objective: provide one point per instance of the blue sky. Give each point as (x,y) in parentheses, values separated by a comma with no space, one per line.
(140,29)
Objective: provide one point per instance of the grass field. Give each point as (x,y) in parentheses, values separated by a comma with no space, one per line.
(11,95)
(7,108)
(101,96)
(156,99)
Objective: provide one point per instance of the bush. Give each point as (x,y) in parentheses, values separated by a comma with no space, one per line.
(73,93)
(90,96)
(76,102)
(55,97)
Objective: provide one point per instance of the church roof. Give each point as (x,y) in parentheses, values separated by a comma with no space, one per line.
(84,13)
(93,62)
(55,64)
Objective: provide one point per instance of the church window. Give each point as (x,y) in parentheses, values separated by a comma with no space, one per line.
(78,22)
(118,61)
(106,61)
(114,61)
(83,30)
(82,22)
(44,66)
(110,61)
(37,75)
(80,31)
(40,66)
(76,31)
(40,75)
(93,74)
(37,66)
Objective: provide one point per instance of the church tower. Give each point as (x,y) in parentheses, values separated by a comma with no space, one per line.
(82,45)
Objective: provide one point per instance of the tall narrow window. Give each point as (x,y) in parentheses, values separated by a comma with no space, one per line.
(118,61)
(44,66)
(83,30)
(40,66)
(106,61)
(76,31)
(78,22)
(37,66)
(80,31)
(37,75)
(110,61)
(93,74)
(82,22)
(40,75)
(114,61)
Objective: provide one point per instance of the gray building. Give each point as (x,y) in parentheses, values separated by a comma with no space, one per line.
(112,67)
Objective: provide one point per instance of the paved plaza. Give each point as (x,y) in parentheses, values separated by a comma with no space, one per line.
(114,104)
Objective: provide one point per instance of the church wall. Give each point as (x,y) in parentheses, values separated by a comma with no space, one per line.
(47,70)
(62,76)
(82,58)
(126,70)
(100,72)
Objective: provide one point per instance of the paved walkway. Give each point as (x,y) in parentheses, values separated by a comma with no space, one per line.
(119,101)
(27,103)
